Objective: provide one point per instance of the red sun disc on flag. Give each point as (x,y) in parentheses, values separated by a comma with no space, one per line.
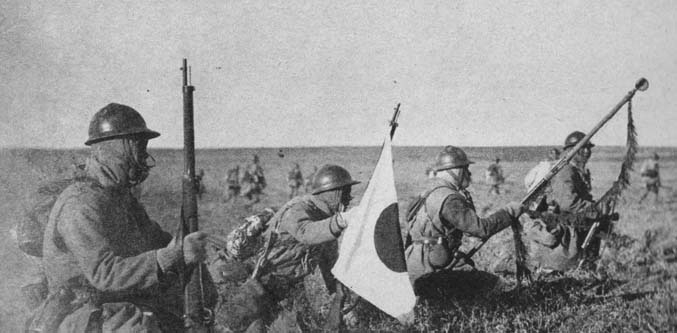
(388,240)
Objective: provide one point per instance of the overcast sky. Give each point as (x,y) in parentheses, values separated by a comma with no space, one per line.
(314,73)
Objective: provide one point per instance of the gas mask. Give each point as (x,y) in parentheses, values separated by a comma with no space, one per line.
(140,162)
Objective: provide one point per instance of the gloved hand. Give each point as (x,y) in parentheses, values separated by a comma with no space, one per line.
(194,251)
(195,248)
(346,217)
(515,209)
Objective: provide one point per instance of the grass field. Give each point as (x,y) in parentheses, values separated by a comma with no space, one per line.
(638,293)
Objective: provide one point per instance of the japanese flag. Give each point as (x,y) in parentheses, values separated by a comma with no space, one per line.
(371,258)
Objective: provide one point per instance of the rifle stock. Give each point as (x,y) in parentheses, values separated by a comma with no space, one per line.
(197,317)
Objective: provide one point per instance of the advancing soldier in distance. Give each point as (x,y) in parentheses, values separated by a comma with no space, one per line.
(199,185)
(232,183)
(494,177)
(308,184)
(304,233)
(253,181)
(109,266)
(294,180)
(553,155)
(652,177)
(439,218)
(430,172)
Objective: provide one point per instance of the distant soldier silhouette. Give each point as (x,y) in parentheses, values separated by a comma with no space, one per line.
(539,171)
(494,177)
(308,184)
(199,183)
(253,181)
(232,183)
(651,176)
(294,180)
(430,172)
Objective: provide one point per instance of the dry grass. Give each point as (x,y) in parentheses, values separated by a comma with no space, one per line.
(637,293)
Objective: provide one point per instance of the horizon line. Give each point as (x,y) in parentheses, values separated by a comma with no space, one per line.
(328,146)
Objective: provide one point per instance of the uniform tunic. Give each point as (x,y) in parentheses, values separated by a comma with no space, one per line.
(305,238)
(446,215)
(307,233)
(650,172)
(556,246)
(100,241)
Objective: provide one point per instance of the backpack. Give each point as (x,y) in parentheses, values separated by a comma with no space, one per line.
(31,227)
(413,209)
(247,239)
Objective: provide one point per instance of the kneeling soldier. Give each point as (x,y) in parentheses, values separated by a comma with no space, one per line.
(111,268)
(440,217)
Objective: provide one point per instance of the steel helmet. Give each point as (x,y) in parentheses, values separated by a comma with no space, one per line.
(117,121)
(574,138)
(450,158)
(330,177)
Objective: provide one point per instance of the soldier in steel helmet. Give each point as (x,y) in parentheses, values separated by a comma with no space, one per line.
(253,181)
(651,176)
(294,180)
(439,218)
(109,266)
(304,236)
(556,231)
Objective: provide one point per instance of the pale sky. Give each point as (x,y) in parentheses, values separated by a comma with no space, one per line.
(315,73)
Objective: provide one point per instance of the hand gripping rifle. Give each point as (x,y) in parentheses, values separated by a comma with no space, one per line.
(536,191)
(196,315)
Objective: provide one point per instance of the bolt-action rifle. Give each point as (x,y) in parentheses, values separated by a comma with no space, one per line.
(197,316)
(536,191)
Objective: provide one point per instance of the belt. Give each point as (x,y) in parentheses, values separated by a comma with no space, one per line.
(430,240)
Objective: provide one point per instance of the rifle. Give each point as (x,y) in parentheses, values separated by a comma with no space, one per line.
(642,84)
(197,317)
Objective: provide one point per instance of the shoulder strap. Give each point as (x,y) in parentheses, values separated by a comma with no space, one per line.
(269,242)
(420,201)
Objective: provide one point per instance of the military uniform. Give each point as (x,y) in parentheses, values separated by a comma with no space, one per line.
(435,233)
(306,234)
(494,177)
(651,176)
(253,182)
(110,268)
(100,243)
(556,238)
(294,180)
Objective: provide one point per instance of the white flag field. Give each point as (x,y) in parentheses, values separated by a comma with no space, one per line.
(371,258)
